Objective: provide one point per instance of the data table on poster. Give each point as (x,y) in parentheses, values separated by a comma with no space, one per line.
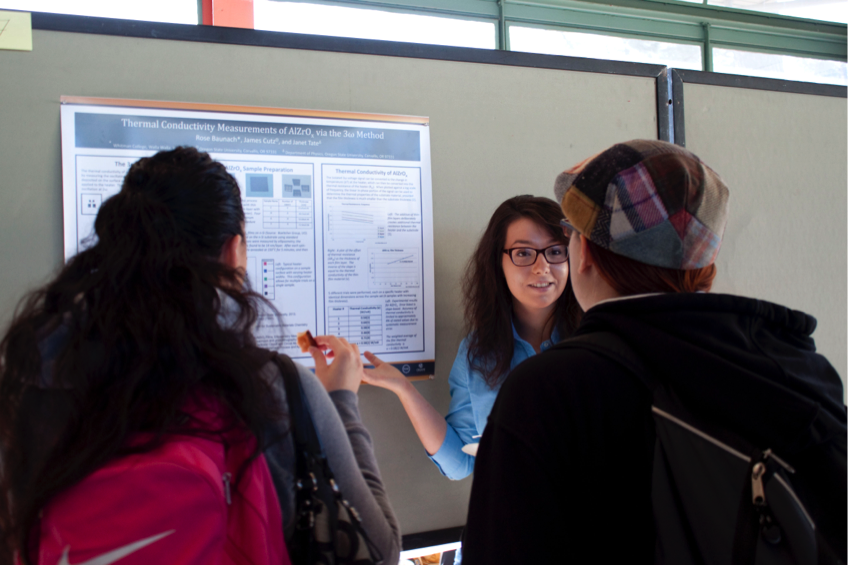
(362,324)
(287,213)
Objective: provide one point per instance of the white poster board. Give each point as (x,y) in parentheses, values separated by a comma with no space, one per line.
(338,211)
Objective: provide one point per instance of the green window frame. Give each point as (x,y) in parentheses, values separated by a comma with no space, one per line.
(662,20)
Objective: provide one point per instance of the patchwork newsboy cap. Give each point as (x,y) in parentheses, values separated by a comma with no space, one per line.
(651,201)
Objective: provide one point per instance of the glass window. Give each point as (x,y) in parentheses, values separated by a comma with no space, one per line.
(827,10)
(172,11)
(319,19)
(574,44)
(779,66)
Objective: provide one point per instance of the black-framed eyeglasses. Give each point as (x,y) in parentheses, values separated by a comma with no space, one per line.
(522,257)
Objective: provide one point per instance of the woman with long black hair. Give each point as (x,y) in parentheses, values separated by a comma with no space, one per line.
(518,302)
(132,376)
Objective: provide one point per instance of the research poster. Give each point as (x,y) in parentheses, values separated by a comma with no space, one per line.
(338,211)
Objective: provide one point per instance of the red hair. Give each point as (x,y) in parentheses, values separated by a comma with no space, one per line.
(630,277)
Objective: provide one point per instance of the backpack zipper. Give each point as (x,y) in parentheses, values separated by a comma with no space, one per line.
(758,492)
(756,479)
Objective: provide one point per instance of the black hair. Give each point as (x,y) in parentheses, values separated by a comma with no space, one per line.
(126,334)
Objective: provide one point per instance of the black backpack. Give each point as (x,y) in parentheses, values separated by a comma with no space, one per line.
(328,529)
(717,498)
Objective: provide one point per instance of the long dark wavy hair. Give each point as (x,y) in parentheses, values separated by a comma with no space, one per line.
(125,335)
(486,296)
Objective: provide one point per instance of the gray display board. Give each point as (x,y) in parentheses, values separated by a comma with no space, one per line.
(496,131)
(784,157)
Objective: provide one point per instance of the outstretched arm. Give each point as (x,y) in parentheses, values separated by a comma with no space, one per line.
(428,423)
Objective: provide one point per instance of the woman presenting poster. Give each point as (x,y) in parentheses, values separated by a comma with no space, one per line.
(518,302)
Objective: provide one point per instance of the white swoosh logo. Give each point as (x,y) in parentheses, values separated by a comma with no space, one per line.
(118,553)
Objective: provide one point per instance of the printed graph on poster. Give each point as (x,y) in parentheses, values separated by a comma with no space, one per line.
(356,223)
(394,268)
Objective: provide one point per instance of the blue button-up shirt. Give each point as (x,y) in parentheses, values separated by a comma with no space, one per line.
(471,402)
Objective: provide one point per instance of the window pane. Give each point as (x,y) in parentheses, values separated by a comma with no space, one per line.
(172,11)
(319,19)
(779,66)
(574,44)
(827,10)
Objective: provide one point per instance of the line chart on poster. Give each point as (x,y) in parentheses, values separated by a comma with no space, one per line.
(393,267)
(345,222)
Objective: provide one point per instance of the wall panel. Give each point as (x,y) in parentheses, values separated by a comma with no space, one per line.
(496,131)
(784,157)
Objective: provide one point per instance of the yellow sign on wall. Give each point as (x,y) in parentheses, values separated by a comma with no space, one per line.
(15,30)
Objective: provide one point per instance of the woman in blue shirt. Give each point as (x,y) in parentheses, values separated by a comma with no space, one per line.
(518,302)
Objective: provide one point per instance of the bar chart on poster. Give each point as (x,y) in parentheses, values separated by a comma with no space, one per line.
(338,211)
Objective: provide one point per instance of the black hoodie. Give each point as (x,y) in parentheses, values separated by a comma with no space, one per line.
(563,470)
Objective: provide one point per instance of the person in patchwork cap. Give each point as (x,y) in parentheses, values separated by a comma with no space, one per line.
(651,201)
(648,209)
(566,469)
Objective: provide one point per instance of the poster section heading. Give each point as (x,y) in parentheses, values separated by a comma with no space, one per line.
(151,133)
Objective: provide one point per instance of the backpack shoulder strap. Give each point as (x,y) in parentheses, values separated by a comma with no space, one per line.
(305,436)
(611,346)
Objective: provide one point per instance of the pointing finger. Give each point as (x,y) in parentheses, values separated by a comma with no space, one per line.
(372,358)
